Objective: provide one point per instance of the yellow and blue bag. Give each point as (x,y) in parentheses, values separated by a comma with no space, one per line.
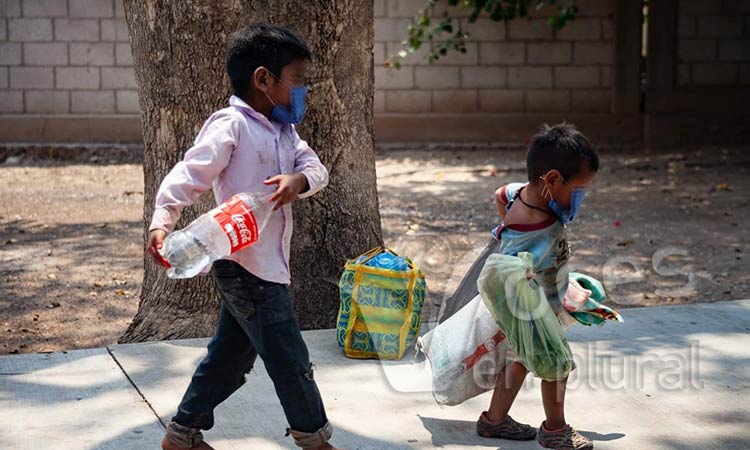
(382,295)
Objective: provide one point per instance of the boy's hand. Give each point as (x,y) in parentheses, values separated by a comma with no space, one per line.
(288,190)
(155,243)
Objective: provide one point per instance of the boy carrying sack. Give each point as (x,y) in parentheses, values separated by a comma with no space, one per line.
(251,146)
(560,165)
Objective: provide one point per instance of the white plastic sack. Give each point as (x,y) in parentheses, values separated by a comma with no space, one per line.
(467,352)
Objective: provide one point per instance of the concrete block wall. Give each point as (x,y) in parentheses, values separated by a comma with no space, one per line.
(524,67)
(60,57)
(66,72)
(713,43)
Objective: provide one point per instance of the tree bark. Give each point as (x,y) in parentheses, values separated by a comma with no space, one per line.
(179,58)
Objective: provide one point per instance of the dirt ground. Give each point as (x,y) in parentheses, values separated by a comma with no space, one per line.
(658,228)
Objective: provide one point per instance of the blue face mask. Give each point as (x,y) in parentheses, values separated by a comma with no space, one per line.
(293,113)
(567,215)
(296,110)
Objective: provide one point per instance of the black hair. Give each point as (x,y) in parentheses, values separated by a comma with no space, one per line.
(265,45)
(561,147)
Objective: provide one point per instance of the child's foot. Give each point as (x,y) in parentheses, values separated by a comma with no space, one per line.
(504,429)
(166,444)
(565,438)
(324,447)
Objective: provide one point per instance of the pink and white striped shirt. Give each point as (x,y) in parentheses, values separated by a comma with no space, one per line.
(236,150)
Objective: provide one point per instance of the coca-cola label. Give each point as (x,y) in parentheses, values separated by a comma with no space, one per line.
(238,223)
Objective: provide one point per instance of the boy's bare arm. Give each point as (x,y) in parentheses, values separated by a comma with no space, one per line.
(188,179)
(500,202)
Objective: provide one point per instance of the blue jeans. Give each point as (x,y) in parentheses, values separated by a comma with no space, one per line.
(256,318)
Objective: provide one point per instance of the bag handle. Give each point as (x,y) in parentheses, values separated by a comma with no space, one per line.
(378,250)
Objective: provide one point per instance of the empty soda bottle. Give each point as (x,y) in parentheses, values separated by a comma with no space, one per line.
(226,229)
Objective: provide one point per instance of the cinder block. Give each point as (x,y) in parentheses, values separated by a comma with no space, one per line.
(581,29)
(595,7)
(77,30)
(3,29)
(11,101)
(47,102)
(119,9)
(44,8)
(485,29)
(719,27)
(30,30)
(577,76)
(608,29)
(31,78)
(10,8)
(501,53)
(45,54)
(736,7)
(745,74)
(408,101)
(127,101)
(92,54)
(454,101)
(738,50)
(3,77)
(405,8)
(721,74)
(683,75)
(453,11)
(115,30)
(548,53)
(124,55)
(436,77)
(77,78)
(592,101)
(692,7)
(388,29)
(378,53)
(456,58)
(696,50)
(379,102)
(607,78)
(118,78)
(418,57)
(501,100)
(92,102)
(531,77)
(380,8)
(547,100)
(523,29)
(386,78)
(91,8)
(593,53)
(10,54)
(483,77)
(686,26)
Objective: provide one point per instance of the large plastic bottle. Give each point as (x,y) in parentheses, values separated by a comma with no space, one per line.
(226,229)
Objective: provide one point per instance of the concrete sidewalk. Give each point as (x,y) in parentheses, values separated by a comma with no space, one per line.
(669,378)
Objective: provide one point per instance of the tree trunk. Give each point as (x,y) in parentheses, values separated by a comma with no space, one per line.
(179,58)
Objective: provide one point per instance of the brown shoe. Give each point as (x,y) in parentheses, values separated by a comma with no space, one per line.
(505,429)
(564,439)
(166,444)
